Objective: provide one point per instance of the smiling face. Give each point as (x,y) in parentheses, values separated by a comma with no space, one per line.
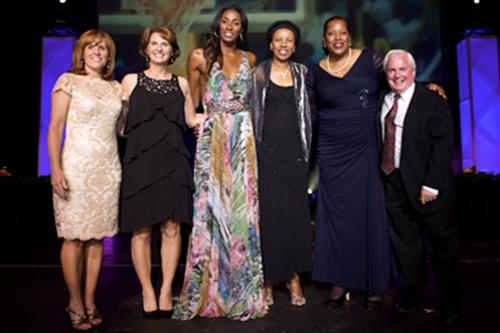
(230,26)
(95,56)
(158,49)
(283,44)
(336,37)
(399,72)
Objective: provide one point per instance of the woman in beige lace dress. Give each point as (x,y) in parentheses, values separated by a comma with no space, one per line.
(86,172)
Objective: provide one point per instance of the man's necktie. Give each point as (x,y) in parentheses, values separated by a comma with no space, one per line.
(387,165)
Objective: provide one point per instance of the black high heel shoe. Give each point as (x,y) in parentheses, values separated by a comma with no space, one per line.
(335,303)
(371,305)
(151,315)
(165,314)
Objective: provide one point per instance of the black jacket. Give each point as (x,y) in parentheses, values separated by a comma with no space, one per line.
(427,148)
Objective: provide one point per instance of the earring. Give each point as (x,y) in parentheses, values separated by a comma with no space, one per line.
(216,35)
(82,64)
(108,64)
(241,38)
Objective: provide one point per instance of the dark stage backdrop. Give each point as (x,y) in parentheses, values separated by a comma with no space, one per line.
(379,24)
(429,28)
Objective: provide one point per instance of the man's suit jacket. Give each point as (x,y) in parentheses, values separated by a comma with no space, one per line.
(427,149)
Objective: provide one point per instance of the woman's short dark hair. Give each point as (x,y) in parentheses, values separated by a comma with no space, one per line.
(283,24)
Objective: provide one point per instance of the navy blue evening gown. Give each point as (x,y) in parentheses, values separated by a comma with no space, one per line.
(352,247)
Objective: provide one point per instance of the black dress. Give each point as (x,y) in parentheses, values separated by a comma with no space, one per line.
(157,179)
(285,220)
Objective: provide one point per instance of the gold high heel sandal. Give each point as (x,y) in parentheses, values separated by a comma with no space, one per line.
(94,317)
(79,322)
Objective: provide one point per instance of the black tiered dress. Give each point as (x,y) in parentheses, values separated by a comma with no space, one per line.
(285,219)
(157,178)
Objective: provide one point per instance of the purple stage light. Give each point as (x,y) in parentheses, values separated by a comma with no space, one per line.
(479,91)
(56,59)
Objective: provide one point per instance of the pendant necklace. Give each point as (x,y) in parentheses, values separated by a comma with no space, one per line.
(283,73)
(341,67)
(280,72)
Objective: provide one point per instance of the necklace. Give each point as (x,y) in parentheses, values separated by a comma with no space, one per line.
(283,73)
(341,67)
(280,72)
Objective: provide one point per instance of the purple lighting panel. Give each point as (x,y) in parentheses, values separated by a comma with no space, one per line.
(56,59)
(479,90)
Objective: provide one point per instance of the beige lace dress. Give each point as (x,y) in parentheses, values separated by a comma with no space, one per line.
(89,159)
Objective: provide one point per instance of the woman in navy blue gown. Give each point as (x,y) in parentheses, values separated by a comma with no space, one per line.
(352,248)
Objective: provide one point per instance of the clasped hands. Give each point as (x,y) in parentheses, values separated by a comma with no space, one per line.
(426,196)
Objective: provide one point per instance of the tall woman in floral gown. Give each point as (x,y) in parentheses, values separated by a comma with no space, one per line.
(223,276)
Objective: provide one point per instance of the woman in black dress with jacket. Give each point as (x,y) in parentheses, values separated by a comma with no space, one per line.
(283,134)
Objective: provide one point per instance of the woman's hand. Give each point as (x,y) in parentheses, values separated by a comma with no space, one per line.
(59,184)
(198,121)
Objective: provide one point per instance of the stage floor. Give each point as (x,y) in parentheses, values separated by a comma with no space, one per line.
(33,298)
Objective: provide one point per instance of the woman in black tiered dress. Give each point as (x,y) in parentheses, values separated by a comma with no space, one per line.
(157,180)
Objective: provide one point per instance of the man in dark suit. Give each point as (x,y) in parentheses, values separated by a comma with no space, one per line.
(416,127)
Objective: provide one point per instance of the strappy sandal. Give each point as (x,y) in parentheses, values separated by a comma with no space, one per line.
(296,298)
(268,296)
(94,317)
(79,322)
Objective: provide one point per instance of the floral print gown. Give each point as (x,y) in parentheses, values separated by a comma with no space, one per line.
(223,276)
